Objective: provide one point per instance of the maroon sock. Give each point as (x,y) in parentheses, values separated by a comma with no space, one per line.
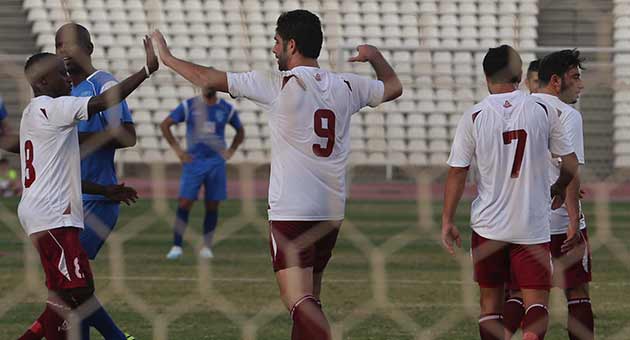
(36,331)
(580,324)
(535,322)
(491,327)
(513,312)
(309,322)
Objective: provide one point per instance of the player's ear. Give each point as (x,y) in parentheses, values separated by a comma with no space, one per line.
(90,48)
(291,46)
(556,82)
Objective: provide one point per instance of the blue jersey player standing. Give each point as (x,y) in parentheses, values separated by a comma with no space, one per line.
(206,117)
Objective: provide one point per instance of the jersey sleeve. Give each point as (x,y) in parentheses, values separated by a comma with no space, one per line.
(3,110)
(365,91)
(463,148)
(178,115)
(68,110)
(559,143)
(575,134)
(259,87)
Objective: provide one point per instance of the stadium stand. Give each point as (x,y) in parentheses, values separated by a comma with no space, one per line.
(435,46)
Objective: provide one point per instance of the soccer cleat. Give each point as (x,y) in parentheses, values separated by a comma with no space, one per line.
(129,337)
(206,253)
(175,253)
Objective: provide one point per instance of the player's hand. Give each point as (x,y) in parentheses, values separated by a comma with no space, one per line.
(365,53)
(160,42)
(184,157)
(121,193)
(574,239)
(557,196)
(152,61)
(450,234)
(227,154)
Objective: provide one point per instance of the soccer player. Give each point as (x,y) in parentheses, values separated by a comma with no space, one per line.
(510,134)
(561,85)
(206,117)
(309,111)
(50,209)
(532,81)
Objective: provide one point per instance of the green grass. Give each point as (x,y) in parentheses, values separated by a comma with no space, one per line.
(388,279)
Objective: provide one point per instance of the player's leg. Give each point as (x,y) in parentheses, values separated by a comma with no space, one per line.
(513,312)
(323,252)
(491,271)
(100,217)
(531,265)
(216,191)
(188,191)
(292,246)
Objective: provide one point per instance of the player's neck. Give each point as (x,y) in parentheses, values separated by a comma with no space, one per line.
(211,101)
(502,88)
(301,61)
(82,74)
(546,90)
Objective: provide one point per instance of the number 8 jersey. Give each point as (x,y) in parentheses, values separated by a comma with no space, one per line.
(51,163)
(309,111)
(509,136)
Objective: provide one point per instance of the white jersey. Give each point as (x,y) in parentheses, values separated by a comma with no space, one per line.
(510,136)
(571,120)
(51,163)
(309,112)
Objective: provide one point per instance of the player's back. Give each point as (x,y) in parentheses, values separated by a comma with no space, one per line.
(310,135)
(50,162)
(512,138)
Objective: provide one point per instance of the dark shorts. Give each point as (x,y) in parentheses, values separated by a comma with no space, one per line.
(213,178)
(65,263)
(572,269)
(302,244)
(498,263)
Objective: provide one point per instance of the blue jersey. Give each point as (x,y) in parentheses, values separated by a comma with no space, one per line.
(98,167)
(205,128)
(3,110)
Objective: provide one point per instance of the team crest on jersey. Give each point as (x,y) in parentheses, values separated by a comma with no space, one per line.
(318,77)
(507,104)
(220,115)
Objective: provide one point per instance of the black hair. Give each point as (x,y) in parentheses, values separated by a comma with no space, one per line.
(533,66)
(83,35)
(500,65)
(558,63)
(304,28)
(34,60)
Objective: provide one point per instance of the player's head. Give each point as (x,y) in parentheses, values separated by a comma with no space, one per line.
(47,75)
(532,76)
(74,44)
(502,65)
(298,35)
(559,73)
(209,93)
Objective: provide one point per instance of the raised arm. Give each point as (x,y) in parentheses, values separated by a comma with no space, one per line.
(118,93)
(204,77)
(384,72)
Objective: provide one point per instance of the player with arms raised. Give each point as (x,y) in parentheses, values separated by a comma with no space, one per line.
(309,111)
(50,209)
(509,134)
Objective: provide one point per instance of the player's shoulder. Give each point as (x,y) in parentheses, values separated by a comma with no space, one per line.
(474,111)
(224,104)
(101,76)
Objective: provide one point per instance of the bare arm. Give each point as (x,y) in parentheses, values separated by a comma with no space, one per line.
(572,204)
(455,184)
(384,71)
(114,192)
(119,92)
(236,141)
(568,170)
(8,141)
(204,77)
(165,126)
(123,136)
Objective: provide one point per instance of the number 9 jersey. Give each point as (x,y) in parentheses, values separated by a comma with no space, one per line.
(51,163)
(309,111)
(509,136)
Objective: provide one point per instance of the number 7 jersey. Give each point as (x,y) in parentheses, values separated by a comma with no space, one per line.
(309,111)
(510,137)
(51,163)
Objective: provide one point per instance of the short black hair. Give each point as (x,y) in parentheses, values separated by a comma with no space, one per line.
(503,65)
(305,28)
(533,66)
(558,63)
(83,35)
(34,60)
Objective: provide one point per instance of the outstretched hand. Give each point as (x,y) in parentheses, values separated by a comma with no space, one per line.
(160,42)
(365,53)
(152,61)
(121,193)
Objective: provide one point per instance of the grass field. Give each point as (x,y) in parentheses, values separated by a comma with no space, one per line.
(388,279)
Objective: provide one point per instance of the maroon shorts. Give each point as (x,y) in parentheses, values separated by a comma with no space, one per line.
(65,262)
(498,263)
(571,269)
(302,243)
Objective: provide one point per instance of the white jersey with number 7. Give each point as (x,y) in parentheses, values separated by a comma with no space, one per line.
(509,136)
(309,111)
(51,163)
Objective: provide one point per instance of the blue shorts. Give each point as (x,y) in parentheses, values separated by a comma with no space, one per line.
(212,177)
(99,219)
